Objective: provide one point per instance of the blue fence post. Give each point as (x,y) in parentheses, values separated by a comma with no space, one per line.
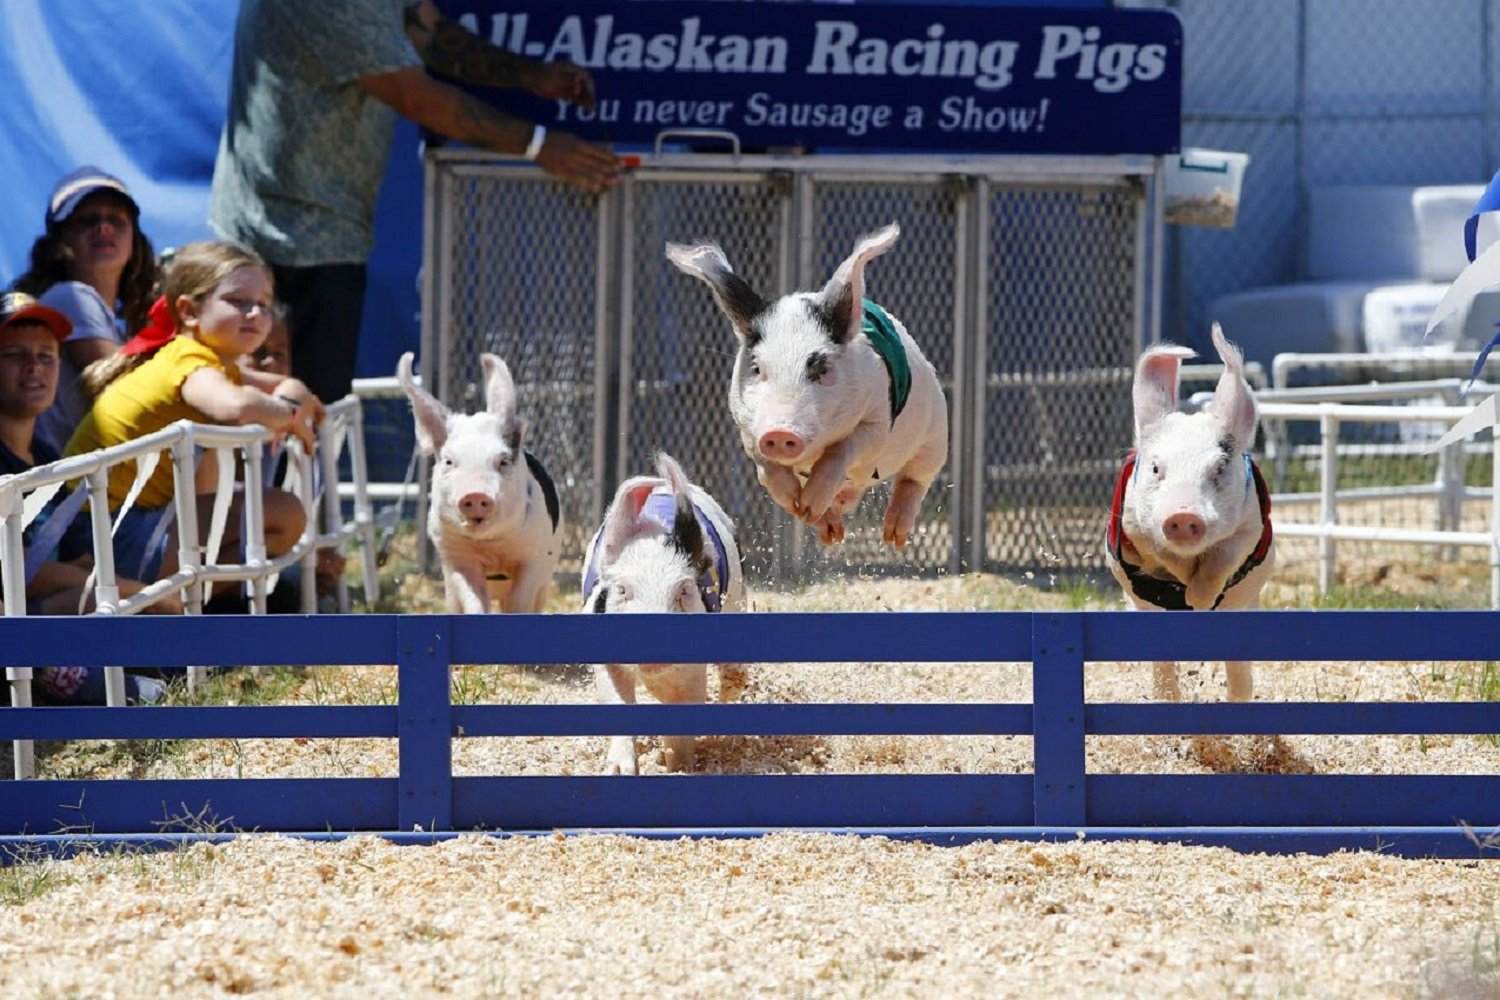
(424,723)
(1057,719)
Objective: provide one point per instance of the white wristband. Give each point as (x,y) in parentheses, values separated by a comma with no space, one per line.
(538,136)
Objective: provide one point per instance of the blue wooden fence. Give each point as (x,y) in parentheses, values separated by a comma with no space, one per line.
(1424,814)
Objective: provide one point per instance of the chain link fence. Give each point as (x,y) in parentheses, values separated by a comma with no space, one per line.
(1060,314)
(1036,276)
(519,277)
(1323,92)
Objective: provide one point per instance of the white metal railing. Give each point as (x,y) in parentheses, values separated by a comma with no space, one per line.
(1458,363)
(1327,530)
(408,489)
(342,426)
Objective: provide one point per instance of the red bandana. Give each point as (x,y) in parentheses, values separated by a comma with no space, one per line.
(162,328)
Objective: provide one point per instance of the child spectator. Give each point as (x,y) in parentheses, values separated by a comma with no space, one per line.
(31,336)
(220,298)
(274,357)
(93,264)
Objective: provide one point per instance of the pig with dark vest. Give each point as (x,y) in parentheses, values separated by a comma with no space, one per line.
(1190,520)
(492,509)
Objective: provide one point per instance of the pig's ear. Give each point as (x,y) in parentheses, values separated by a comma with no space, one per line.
(499,390)
(687,533)
(1233,402)
(624,516)
(736,298)
(431,422)
(842,299)
(1155,390)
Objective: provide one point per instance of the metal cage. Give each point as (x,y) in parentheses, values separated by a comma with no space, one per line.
(1029,282)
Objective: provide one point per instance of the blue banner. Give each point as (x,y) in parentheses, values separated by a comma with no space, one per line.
(910,78)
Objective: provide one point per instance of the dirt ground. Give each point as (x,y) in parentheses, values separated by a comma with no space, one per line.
(793,914)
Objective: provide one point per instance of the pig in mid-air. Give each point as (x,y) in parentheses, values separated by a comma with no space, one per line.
(1190,523)
(830,393)
(665,546)
(492,510)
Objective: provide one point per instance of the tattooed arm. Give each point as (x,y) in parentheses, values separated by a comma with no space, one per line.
(429,102)
(449,48)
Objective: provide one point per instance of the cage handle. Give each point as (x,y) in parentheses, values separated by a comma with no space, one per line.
(699,133)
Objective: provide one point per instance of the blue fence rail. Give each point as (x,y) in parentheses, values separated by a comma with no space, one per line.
(1417,814)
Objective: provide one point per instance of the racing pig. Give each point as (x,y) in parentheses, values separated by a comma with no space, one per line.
(830,393)
(1190,521)
(665,546)
(492,509)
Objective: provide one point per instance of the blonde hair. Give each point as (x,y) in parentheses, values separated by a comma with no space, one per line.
(196,270)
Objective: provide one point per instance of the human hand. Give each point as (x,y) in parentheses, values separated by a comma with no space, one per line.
(571,159)
(294,417)
(561,81)
(296,391)
(330,567)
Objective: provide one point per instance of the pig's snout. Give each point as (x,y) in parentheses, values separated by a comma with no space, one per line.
(476,507)
(1184,528)
(782,445)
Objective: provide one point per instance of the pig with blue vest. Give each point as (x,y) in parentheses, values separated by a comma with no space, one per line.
(666,546)
(1190,520)
(830,393)
(492,509)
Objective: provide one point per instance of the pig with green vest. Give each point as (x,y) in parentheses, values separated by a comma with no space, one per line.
(830,393)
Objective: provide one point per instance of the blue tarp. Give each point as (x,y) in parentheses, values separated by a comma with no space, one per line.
(139,89)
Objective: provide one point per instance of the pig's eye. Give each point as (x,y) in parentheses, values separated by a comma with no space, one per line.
(1156,469)
(619,591)
(448,462)
(817,368)
(755,369)
(505,463)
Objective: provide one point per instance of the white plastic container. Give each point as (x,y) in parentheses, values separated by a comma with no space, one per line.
(1203,187)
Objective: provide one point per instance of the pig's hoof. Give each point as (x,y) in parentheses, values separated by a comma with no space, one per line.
(894,535)
(678,760)
(619,765)
(831,529)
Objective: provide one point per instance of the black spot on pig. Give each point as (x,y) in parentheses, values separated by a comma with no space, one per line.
(687,537)
(549,489)
(817,366)
(741,303)
(834,317)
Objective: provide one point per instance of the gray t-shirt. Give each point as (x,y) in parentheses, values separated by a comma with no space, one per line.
(92,319)
(304,147)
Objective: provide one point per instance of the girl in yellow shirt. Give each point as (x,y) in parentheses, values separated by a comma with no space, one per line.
(218,299)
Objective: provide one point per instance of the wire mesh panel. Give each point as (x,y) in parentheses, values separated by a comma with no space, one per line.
(1323,92)
(618,356)
(918,281)
(681,348)
(519,281)
(1059,298)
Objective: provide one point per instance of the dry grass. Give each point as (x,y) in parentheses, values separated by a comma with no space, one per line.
(791,914)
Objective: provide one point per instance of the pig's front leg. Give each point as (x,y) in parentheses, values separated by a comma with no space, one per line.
(615,685)
(831,469)
(783,485)
(1218,564)
(525,588)
(466,590)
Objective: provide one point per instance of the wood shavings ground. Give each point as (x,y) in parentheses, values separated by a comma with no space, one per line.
(788,915)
